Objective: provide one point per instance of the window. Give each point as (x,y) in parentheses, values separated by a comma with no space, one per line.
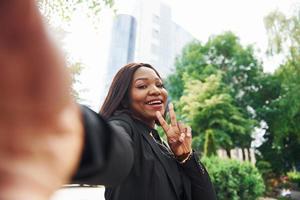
(154,49)
(155,33)
(155,19)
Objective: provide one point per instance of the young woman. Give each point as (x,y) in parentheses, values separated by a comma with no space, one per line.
(136,101)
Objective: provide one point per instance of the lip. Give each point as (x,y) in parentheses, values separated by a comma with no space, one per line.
(156,99)
(155,106)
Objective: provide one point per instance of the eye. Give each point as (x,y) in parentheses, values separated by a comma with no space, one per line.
(141,86)
(160,85)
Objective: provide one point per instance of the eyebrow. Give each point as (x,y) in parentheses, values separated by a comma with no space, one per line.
(145,79)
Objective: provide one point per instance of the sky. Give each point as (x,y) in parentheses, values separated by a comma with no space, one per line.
(202,18)
(243,17)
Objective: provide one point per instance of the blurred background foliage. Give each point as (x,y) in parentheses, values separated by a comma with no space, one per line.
(58,14)
(220,89)
(234,180)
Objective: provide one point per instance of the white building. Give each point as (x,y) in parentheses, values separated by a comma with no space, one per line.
(122,44)
(158,38)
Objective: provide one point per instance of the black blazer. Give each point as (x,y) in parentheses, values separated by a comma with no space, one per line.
(105,149)
(156,175)
(125,158)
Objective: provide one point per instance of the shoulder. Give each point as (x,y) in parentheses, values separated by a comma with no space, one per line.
(121,116)
(123,122)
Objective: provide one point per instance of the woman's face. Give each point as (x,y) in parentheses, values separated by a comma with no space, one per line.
(147,95)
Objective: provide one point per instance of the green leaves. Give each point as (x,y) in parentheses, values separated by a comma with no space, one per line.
(208,106)
(283,33)
(233,179)
(62,10)
(212,85)
(279,95)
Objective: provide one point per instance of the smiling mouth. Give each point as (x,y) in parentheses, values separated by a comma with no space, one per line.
(154,102)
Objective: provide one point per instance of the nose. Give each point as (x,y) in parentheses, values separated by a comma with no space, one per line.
(154,90)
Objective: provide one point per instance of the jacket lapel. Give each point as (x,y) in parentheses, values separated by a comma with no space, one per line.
(168,168)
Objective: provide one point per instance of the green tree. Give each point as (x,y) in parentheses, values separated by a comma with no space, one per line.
(222,52)
(241,73)
(282,114)
(209,146)
(207,106)
(283,33)
(63,10)
(280,108)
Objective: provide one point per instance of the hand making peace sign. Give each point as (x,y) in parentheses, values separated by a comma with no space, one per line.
(179,135)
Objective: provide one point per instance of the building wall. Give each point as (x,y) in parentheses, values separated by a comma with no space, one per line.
(122,45)
(237,154)
(143,31)
(158,39)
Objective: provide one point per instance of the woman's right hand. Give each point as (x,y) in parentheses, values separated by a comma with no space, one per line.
(179,135)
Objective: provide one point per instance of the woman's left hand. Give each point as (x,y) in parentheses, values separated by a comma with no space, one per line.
(179,135)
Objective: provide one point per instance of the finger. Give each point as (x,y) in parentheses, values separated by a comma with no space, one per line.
(181,137)
(186,130)
(182,127)
(189,132)
(189,138)
(172,140)
(172,115)
(162,122)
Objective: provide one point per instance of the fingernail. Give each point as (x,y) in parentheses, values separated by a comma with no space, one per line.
(181,139)
(172,140)
(182,136)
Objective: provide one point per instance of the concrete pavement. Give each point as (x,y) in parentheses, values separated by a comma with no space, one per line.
(79,193)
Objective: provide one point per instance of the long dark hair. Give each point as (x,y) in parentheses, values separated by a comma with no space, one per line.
(118,94)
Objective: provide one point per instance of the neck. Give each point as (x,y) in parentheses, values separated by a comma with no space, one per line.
(150,123)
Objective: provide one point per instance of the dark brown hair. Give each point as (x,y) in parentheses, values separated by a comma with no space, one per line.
(118,94)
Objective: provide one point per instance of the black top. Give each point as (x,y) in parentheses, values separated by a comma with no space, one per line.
(156,174)
(170,158)
(104,149)
(125,158)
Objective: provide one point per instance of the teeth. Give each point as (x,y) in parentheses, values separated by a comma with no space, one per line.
(153,102)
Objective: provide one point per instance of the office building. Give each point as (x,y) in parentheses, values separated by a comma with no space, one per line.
(158,38)
(122,45)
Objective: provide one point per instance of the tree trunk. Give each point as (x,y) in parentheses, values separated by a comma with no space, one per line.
(249,155)
(243,153)
(228,153)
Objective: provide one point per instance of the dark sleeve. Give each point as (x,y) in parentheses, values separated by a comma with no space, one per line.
(107,155)
(202,187)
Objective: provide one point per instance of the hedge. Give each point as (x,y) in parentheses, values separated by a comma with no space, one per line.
(234,180)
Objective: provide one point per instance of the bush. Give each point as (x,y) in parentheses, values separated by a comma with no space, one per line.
(234,180)
(294,177)
(198,143)
(270,180)
(264,168)
(209,146)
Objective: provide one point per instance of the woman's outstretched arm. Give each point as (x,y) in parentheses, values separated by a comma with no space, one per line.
(107,155)
(41,127)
